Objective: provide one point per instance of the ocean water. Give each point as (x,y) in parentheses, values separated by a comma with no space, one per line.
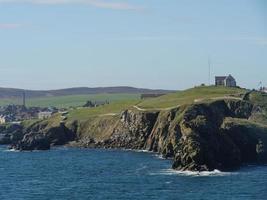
(69,173)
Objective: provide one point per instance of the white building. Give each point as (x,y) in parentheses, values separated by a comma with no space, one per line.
(44,115)
(2,119)
(227,81)
(263,89)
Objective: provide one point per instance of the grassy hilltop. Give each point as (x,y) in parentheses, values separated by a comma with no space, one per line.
(168,101)
(194,95)
(197,94)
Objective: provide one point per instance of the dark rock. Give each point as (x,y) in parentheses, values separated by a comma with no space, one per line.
(43,137)
(10,133)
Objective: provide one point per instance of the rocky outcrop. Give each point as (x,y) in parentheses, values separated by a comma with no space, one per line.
(132,130)
(209,141)
(42,137)
(10,133)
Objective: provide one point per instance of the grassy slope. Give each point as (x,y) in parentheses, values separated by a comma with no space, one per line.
(96,122)
(189,96)
(170,100)
(113,108)
(69,101)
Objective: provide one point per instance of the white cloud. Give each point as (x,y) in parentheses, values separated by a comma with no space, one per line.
(9,26)
(108,4)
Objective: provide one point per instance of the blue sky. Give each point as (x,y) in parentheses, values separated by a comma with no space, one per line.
(48,44)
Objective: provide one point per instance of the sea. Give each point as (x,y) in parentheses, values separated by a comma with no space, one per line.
(73,173)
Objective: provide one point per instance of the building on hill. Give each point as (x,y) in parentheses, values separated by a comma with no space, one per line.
(2,119)
(227,81)
(263,89)
(44,115)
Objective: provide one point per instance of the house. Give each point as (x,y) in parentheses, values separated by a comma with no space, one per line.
(227,81)
(263,89)
(44,115)
(2,119)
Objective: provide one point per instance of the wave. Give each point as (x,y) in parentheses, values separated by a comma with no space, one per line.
(192,173)
(142,151)
(11,150)
(138,151)
(160,156)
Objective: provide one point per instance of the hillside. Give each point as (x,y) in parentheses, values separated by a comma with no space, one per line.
(193,95)
(201,129)
(7,93)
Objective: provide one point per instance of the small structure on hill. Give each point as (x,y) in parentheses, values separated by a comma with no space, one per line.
(91,104)
(44,115)
(263,89)
(149,96)
(2,119)
(227,81)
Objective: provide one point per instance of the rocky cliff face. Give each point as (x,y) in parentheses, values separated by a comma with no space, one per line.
(10,133)
(132,130)
(205,136)
(39,136)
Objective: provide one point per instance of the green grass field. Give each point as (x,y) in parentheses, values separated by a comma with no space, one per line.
(189,96)
(71,101)
(120,102)
(110,109)
(163,102)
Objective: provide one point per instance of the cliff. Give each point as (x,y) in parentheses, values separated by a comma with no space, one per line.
(215,134)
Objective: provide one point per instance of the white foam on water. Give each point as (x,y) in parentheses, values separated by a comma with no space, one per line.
(11,150)
(141,168)
(159,156)
(192,173)
(142,151)
(138,151)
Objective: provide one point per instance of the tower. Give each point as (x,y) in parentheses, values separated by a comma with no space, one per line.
(24,99)
(209,66)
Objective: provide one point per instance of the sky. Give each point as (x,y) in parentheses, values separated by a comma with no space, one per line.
(51,44)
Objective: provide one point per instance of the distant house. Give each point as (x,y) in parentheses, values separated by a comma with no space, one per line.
(227,81)
(44,115)
(263,89)
(2,119)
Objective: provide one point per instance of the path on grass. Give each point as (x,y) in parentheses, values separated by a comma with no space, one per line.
(161,109)
(195,101)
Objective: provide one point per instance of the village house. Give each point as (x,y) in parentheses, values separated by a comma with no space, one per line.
(44,115)
(263,89)
(2,119)
(227,81)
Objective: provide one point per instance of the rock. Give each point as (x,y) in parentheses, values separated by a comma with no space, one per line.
(10,133)
(43,137)
(32,142)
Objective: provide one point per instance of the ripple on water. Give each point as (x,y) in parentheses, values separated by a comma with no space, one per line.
(191,173)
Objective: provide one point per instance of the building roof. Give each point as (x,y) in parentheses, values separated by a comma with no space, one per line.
(45,113)
(220,78)
(230,77)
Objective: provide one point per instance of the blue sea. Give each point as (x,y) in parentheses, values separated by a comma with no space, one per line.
(72,173)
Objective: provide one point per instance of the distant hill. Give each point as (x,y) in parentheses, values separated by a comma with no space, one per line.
(16,93)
